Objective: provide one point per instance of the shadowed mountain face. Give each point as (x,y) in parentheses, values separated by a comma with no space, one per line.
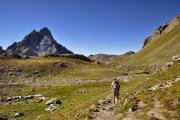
(38,43)
(2,51)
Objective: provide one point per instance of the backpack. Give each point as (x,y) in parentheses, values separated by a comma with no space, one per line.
(115,86)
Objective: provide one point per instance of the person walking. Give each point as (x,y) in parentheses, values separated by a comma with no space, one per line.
(115,89)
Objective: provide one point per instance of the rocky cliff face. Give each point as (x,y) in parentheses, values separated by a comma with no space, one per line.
(162,30)
(38,43)
(2,51)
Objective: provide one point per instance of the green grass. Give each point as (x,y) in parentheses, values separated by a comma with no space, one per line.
(165,96)
(48,68)
(74,104)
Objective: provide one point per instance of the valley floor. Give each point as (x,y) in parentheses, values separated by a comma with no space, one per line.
(143,96)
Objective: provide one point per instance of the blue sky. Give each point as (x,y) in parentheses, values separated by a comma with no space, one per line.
(86,26)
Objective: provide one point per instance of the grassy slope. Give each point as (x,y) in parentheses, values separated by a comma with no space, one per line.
(165,96)
(160,50)
(49,68)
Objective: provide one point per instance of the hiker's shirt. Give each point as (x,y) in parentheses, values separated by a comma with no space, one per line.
(115,87)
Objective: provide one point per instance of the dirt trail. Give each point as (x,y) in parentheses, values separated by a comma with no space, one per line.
(104,110)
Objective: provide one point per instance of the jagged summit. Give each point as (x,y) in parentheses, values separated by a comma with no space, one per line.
(38,43)
(46,32)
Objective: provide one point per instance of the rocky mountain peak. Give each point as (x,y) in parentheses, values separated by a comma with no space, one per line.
(163,29)
(129,53)
(46,32)
(38,43)
(1,50)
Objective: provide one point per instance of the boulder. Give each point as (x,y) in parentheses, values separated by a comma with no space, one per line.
(38,95)
(153,88)
(176,58)
(28,97)
(53,101)
(177,79)
(41,99)
(169,64)
(104,101)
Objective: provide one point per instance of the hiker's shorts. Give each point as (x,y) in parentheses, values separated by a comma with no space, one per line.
(116,93)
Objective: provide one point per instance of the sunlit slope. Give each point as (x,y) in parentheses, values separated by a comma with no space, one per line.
(160,50)
(53,68)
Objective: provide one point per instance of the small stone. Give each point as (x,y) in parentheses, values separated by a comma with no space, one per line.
(92,107)
(141,104)
(177,79)
(41,99)
(82,91)
(130,110)
(134,108)
(19,114)
(50,108)
(96,110)
(104,101)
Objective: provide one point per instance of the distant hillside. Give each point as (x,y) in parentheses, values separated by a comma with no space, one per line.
(102,58)
(105,58)
(37,43)
(159,47)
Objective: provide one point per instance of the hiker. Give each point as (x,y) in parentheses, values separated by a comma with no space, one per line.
(115,89)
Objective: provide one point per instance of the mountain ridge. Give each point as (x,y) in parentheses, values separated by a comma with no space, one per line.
(105,58)
(37,43)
